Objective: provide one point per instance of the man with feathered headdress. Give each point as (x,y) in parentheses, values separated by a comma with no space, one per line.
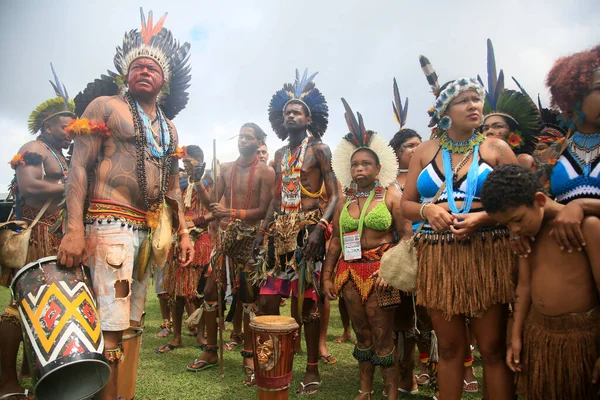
(299,113)
(125,145)
(40,175)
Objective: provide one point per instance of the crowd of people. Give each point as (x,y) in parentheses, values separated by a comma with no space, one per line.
(501,203)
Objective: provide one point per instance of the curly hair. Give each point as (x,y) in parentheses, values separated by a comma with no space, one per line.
(571,76)
(509,186)
(402,136)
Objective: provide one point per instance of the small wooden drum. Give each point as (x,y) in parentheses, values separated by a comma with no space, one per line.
(61,330)
(274,342)
(132,342)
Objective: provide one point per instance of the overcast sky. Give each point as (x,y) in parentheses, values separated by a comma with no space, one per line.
(243,51)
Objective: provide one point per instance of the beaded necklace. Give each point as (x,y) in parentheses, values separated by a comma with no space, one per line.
(291,167)
(248,201)
(157,150)
(62,161)
(585,147)
(141,145)
(450,147)
(460,147)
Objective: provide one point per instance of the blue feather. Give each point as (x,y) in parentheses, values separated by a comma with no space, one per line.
(405,112)
(62,92)
(300,85)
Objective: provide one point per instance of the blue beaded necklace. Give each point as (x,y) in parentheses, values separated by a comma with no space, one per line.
(585,147)
(157,150)
(472,174)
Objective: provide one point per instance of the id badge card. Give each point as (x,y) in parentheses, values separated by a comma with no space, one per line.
(352,250)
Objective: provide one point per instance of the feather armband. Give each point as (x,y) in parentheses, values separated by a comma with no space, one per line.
(26,158)
(83,126)
(180,152)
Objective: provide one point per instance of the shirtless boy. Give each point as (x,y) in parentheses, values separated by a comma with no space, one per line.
(557,318)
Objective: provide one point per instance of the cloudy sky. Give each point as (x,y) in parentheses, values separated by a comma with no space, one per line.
(243,51)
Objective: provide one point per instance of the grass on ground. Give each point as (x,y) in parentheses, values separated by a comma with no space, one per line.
(164,376)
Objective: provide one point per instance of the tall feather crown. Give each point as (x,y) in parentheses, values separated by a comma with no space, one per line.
(516,107)
(154,42)
(304,91)
(400,111)
(360,138)
(60,105)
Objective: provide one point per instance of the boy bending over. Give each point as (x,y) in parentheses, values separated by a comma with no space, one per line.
(556,317)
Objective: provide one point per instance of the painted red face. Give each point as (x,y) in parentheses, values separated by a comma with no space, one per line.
(145,77)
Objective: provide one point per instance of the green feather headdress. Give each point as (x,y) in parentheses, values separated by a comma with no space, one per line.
(517,108)
(60,105)
(48,109)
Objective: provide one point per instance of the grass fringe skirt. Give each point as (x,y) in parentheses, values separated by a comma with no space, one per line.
(558,356)
(464,277)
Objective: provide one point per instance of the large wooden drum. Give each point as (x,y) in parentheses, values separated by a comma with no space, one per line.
(61,330)
(274,342)
(132,342)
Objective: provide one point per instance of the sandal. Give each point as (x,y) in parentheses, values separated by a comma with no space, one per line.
(165,348)
(470,387)
(303,392)
(24,395)
(199,365)
(235,340)
(421,381)
(365,395)
(328,359)
(250,377)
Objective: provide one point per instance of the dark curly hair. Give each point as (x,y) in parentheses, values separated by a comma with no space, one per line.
(402,136)
(570,78)
(509,186)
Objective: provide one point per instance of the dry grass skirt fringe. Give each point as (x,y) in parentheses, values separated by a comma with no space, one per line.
(558,356)
(464,277)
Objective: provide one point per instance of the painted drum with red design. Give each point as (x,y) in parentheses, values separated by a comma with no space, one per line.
(274,342)
(61,330)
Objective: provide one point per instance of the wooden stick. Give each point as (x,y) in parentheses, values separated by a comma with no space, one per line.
(220,312)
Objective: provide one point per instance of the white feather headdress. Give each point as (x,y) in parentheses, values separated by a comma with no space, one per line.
(360,138)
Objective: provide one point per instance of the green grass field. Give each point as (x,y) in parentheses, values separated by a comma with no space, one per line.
(162,377)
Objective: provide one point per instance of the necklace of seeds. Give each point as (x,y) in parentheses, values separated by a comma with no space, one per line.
(141,144)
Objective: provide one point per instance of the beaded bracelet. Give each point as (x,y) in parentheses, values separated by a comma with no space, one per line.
(242,215)
(184,231)
(422,210)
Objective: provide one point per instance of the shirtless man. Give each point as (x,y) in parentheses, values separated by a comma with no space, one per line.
(131,172)
(246,186)
(40,172)
(565,327)
(306,169)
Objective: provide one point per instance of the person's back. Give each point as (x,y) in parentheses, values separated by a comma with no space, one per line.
(556,327)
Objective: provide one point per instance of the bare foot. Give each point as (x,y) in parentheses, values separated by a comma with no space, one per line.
(346,337)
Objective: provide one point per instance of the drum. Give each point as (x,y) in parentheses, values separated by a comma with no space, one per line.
(132,342)
(61,330)
(274,342)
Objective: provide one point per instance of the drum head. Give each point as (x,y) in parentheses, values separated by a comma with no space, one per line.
(273,322)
